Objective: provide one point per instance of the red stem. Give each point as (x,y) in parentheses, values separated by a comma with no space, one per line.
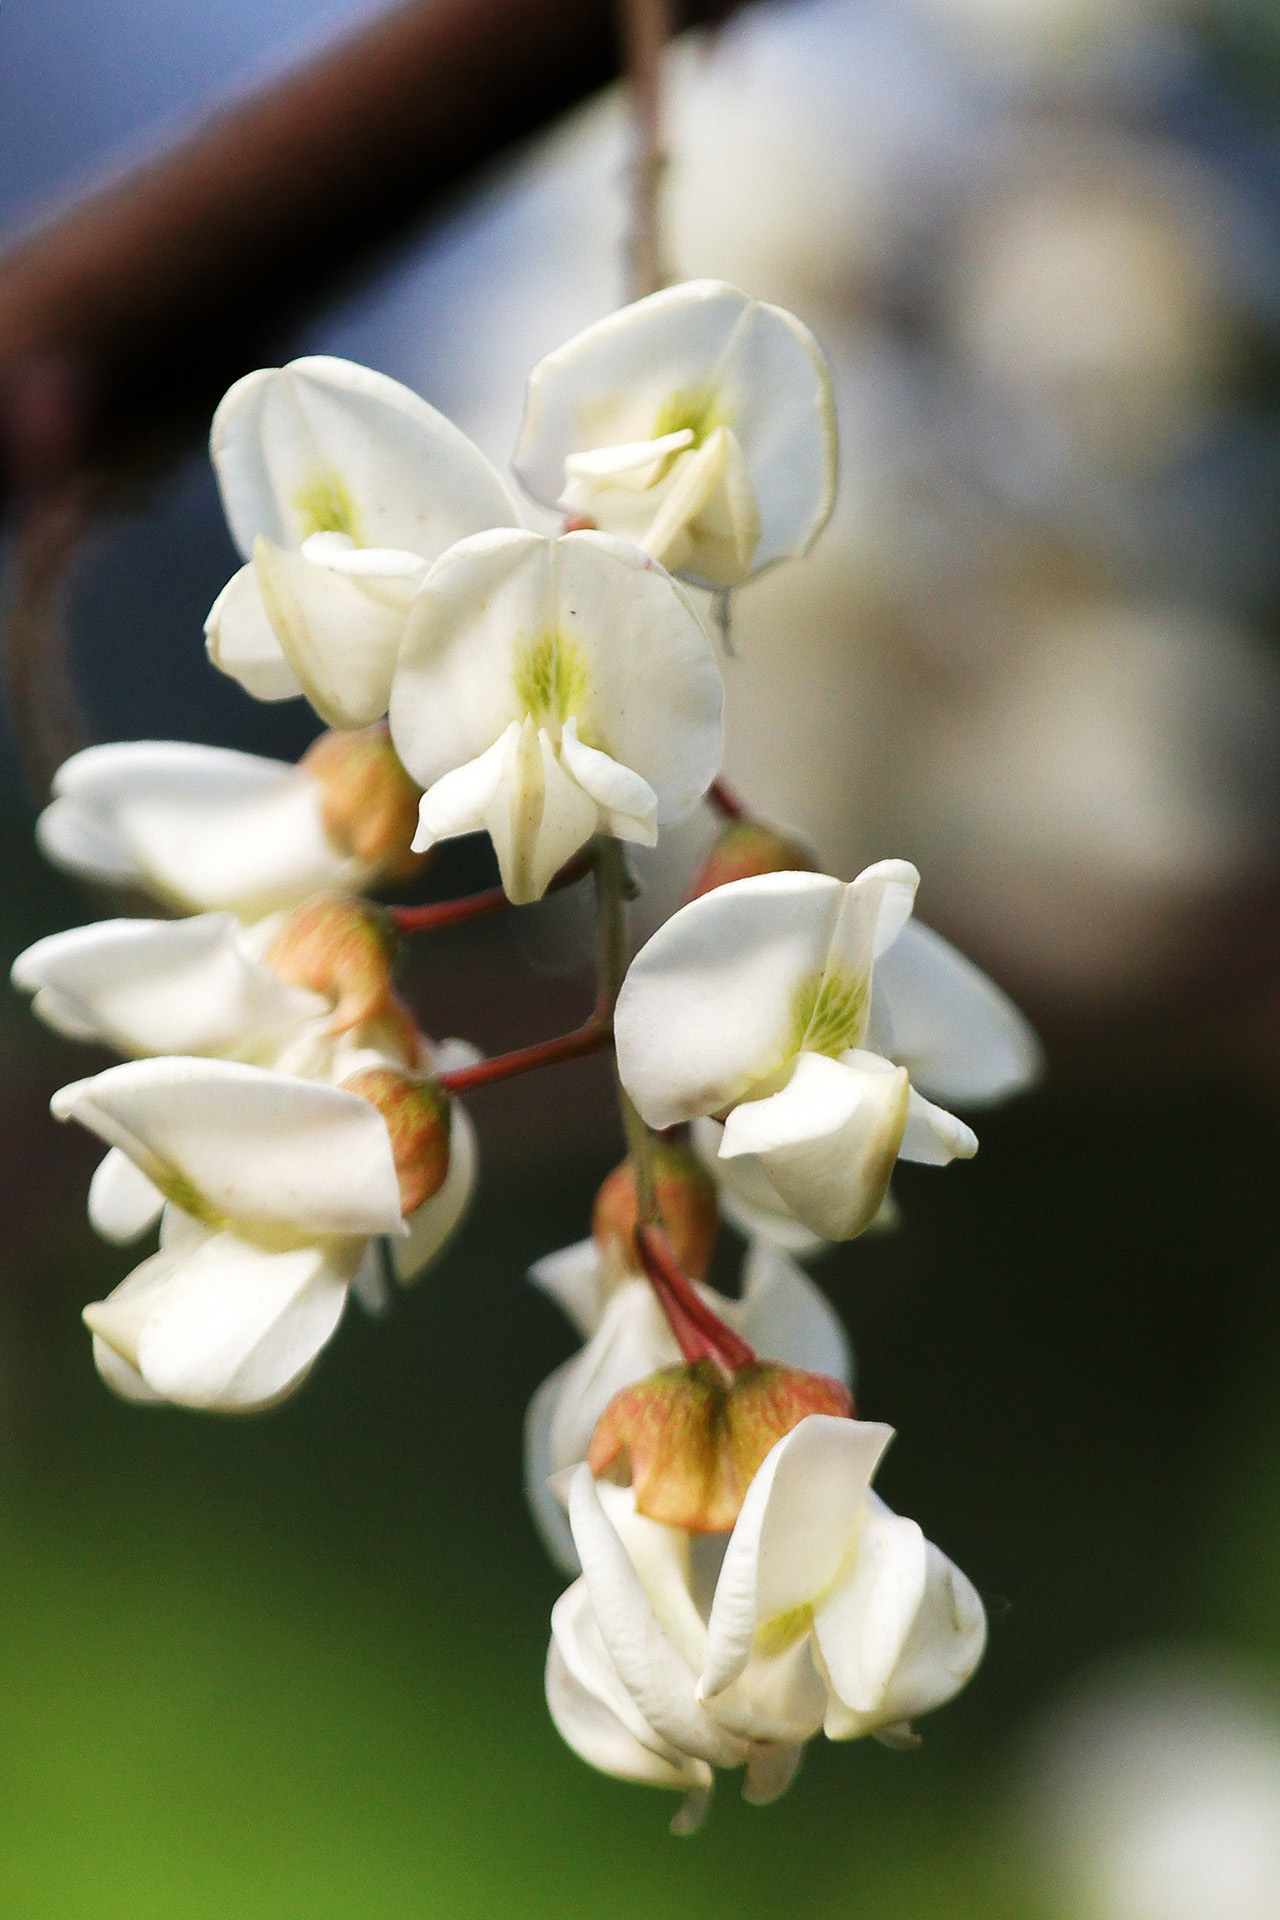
(544,1053)
(475,906)
(725,801)
(700,1333)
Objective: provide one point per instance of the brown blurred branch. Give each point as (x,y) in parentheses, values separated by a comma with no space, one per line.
(149,297)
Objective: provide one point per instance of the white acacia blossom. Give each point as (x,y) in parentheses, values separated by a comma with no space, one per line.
(756,1006)
(698,423)
(197,826)
(205,987)
(340,487)
(550,689)
(781,1313)
(274,1186)
(676,1654)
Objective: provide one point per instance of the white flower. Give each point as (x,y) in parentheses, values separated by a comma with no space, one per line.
(340,488)
(548,689)
(781,1314)
(275,1185)
(698,423)
(675,1654)
(200,987)
(196,826)
(755,1004)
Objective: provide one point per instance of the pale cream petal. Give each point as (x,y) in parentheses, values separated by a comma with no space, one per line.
(863,1623)
(241,641)
(786,1317)
(341,641)
(573,1279)
(961,1039)
(933,1136)
(458,802)
(623,797)
(123,1204)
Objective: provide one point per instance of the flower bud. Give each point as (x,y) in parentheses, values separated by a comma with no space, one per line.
(746,848)
(686,1198)
(693,1443)
(342,947)
(369,804)
(419,1116)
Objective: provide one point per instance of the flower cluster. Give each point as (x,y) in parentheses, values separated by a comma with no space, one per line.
(781,1041)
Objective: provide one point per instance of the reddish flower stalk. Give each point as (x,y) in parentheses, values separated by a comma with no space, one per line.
(725,801)
(544,1053)
(475,906)
(700,1333)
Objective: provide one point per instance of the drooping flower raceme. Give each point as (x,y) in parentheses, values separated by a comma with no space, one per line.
(698,423)
(203,827)
(547,689)
(274,1186)
(754,1006)
(676,1654)
(340,487)
(781,1314)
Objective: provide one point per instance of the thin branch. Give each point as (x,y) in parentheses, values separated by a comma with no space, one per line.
(477,906)
(700,1333)
(725,801)
(590,1038)
(645,27)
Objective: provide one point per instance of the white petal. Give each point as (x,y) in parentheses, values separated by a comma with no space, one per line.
(458,802)
(934,1136)
(801,1511)
(123,1204)
(285,438)
(369,1282)
(748,1199)
(784,1316)
(637,460)
(549,1516)
(770,1770)
(658,1679)
(200,826)
(960,1038)
(829,1140)
(942,1650)
(340,640)
(266,1149)
(708,524)
(593,1711)
(777,1697)
(629,803)
(876,907)
(237,1328)
(708,1006)
(241,641)
(632,1341)
(862,1626)
(572,1278)
(124,1381)
(164,986)
(539,817)
(433,1224)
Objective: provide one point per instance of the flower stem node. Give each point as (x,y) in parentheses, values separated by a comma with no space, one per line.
(685,1196)
(691,1443)
(746,848)
(369,804)
(418,1114)
(342,947)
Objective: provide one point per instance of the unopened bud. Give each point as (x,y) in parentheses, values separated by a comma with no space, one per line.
(692,1444)
(685,1194)
(342,947)
(746,848)
(369,804)
(419,1116)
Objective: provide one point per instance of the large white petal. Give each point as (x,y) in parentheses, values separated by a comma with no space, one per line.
(875,908)
(628,803)
(322,433)
(124,1381)
(596,1715)
(959,1036)
(784,1316)
(934,1136)
(658,1678)
(799,1516)
(433,1224)
(163,986)
(266,1149)
(829,1140)
(709,1004)
(237,1328)
(241,641)
(862,1625)
(340,640)
(777,1697)
(748,1199)
(947,1639)
(539,818)
(609,383)
(123,1204)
